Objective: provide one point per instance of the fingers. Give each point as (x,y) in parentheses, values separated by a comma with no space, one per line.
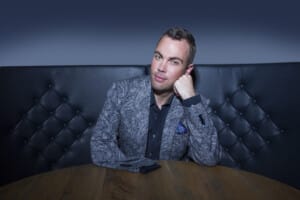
(184,87)
(175,91)
(185,77)
(183,80)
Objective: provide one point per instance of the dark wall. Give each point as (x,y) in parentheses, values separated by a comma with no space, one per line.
(125,32)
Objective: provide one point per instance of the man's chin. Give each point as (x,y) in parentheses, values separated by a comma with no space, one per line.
(162,90)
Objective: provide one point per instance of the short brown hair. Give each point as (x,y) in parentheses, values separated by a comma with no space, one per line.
(178,33)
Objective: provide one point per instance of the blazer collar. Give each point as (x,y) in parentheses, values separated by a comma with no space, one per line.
(143,107)
(173,118)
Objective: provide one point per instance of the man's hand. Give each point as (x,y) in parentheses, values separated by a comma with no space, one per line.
(184,87)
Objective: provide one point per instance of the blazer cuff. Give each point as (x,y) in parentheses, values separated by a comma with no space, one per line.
(192,101)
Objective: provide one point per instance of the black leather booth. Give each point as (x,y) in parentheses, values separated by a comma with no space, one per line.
(47,114)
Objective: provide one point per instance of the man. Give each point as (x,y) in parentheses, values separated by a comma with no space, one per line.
(157,117)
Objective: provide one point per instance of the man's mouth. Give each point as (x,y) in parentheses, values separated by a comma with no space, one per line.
(159,78)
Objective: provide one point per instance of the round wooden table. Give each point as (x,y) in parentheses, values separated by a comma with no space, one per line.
(174,180)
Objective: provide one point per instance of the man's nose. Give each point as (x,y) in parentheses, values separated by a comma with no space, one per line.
(162,66)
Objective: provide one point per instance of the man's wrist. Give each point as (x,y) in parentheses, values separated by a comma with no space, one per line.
(191,101)
(188,96)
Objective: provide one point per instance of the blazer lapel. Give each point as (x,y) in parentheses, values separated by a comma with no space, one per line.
(174,115)
(142,107)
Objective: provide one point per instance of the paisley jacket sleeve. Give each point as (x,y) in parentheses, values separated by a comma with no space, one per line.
(203,141)
(104,145)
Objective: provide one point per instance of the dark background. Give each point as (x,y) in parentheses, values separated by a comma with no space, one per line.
(126,32)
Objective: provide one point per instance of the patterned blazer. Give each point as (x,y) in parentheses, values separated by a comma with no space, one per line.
(120,134)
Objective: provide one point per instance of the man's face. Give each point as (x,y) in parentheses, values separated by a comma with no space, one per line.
(170,61)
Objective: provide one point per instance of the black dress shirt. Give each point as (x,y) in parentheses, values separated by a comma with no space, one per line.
(157,118)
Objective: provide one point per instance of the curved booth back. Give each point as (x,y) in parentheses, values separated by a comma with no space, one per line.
(47,114)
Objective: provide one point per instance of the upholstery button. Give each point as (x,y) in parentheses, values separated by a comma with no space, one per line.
(254,128)
(228,125)
(254,101)
(268,141)
(226,149)
(78,136)
(64,99)
(25,141)
(242,85)
(267,116)
(215,111)
(282,131)
(51,138)
(153,136)
(65,125)
(252,153)
(228,99)
(11,130)
(50,85)
(77,111)
(90,124)
(35,100)
(22,115)
(241,114)
(65,149)
(240,139)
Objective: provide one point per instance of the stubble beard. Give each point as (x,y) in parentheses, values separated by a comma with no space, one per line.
(161,91)
(160,88)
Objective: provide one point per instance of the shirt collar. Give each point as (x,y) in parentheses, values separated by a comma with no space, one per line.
(153,102)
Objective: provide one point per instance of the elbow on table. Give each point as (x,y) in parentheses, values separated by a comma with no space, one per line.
(209,158)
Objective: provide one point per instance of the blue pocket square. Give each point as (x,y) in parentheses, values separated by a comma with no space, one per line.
(181,129)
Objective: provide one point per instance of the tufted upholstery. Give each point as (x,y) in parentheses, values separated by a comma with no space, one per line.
(256,111)
(47,114)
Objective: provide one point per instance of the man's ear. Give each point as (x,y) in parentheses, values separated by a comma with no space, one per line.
(189,69)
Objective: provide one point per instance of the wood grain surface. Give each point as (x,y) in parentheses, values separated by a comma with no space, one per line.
(174,180)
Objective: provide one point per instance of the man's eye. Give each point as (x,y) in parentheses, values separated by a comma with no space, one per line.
(157,57)
(175,62)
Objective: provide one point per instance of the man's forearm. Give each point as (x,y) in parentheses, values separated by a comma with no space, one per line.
(203,141)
